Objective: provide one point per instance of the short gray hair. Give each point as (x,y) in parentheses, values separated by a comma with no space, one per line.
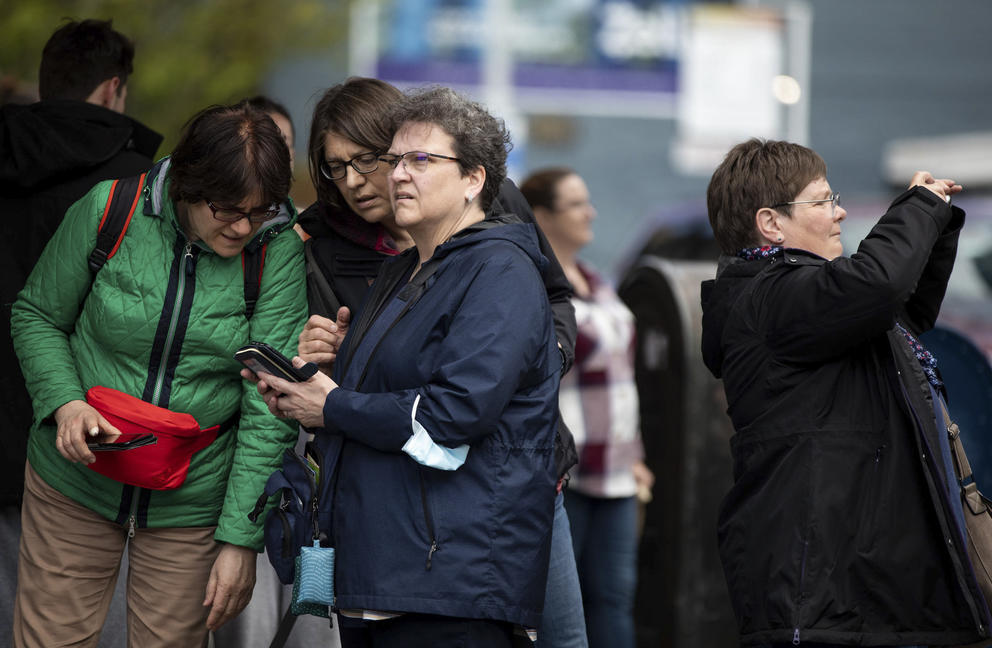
(479,138)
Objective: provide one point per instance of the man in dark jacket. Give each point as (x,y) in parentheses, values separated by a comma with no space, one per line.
(51,153)
(842,527)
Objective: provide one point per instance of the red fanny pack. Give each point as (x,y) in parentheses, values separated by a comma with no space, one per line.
(161,466)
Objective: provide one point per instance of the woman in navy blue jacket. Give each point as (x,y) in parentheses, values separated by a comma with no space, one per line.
(446,481)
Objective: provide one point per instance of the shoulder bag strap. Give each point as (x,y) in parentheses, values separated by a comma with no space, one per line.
(961,464)
(320,295)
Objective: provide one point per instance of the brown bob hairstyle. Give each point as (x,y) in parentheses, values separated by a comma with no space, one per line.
(230,153)
(541,187)
(755,174)
(356,110)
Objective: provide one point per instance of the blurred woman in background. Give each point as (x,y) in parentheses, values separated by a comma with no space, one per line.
(598,400)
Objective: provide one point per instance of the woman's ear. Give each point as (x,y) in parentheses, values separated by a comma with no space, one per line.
(476,180)
(767,224)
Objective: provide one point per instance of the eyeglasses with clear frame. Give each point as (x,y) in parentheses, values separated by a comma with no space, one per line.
(335,170)
(834,201)
(415,161)
(227,215)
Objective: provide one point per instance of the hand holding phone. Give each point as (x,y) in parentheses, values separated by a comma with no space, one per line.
(260,357)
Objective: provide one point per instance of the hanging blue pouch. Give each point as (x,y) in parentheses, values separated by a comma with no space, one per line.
(316,575)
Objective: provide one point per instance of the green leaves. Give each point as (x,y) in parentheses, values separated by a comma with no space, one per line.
(189,54)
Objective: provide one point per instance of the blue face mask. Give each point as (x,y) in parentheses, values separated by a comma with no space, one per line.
(424,451)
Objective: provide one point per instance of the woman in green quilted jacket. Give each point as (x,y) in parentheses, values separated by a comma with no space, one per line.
(160,321)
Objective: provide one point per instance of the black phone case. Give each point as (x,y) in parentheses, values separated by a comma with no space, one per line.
(259,356)
(137,442)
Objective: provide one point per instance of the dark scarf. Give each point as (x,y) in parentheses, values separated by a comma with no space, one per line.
(763,252)
(926,359)
(320,220)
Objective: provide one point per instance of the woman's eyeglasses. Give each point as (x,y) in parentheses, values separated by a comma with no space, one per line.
(227,215)
(834,201)
(336,170)
(416,161)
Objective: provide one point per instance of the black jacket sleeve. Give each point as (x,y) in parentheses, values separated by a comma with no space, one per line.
(510,200)
(923,306)
(821,310)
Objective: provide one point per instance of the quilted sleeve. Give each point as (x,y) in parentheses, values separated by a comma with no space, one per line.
(45,312)
(279,317)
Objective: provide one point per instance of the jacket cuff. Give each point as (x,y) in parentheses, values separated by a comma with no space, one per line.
(943,215)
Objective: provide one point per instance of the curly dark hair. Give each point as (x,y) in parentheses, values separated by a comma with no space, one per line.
(479,138)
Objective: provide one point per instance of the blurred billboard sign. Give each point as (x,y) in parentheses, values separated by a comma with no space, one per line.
(743,73)
(722,72)
(610,57)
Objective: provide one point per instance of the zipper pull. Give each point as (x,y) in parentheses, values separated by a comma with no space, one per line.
(188,253)
(430,554)
(130,527)
(316,521)
(795,637)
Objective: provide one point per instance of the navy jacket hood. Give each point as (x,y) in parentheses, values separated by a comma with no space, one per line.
(507,227)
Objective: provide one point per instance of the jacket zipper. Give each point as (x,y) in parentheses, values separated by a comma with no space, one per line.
(287,530)
(186,269)
(802,595)
(434,546)
(313,494)
(428,519)
(133,518)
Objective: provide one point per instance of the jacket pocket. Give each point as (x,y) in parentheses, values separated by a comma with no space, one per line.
(425,501)
(868,515)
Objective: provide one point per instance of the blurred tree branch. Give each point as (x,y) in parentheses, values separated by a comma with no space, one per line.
(189,53)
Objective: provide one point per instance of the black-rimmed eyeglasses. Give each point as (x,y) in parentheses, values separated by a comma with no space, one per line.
(336,170)
(228,215)
(416,161)
(834,201)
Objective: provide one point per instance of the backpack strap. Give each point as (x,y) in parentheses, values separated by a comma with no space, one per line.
(252,263)
(121,203)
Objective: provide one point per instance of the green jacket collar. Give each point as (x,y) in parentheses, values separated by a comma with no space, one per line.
(158,204)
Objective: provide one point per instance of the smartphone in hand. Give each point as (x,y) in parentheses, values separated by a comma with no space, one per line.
(124,442)
(259,356)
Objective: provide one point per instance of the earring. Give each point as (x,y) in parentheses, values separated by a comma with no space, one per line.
(780,239)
